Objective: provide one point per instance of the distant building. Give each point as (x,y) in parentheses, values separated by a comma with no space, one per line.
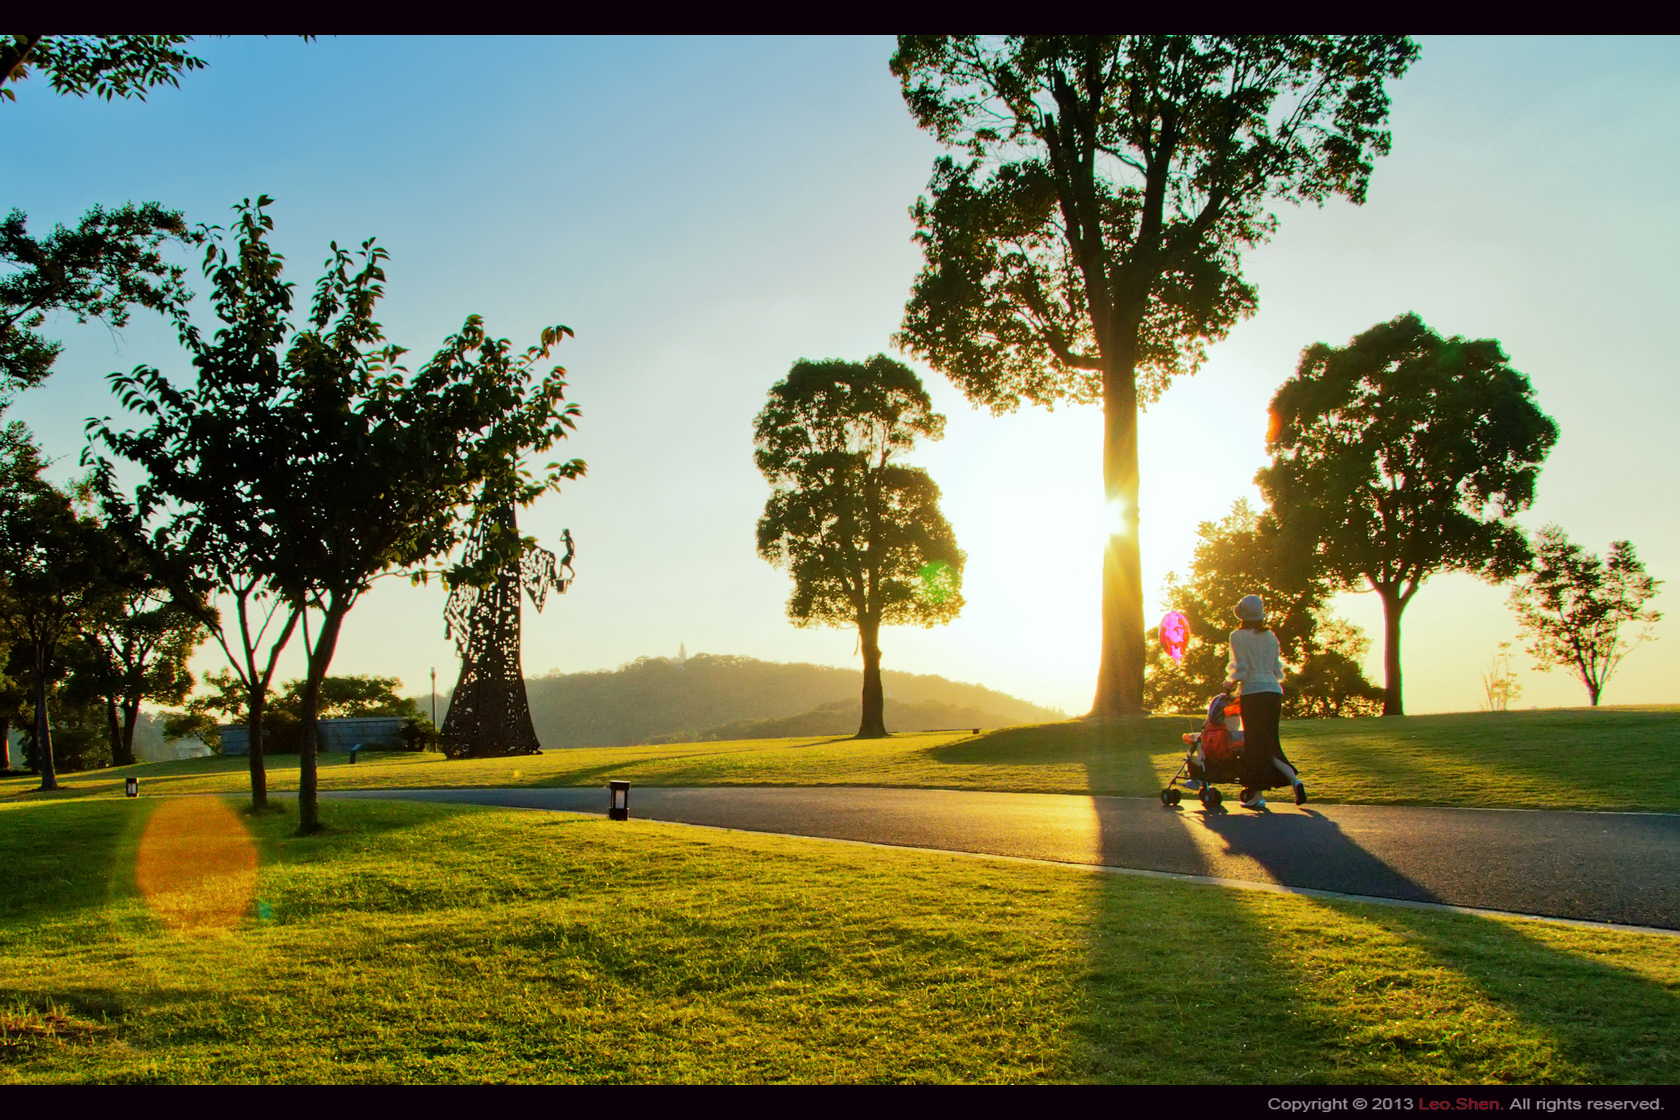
(372,732)
(682,653)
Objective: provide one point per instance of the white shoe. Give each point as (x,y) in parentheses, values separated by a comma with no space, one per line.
(1191,784)
(1258,801)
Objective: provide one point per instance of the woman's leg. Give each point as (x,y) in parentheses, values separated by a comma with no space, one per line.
(1260,711)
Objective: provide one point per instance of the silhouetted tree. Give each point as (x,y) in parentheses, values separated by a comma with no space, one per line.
(1403,455)
(1087,246)
(861,535)
(353,470)
(108,263)
(57,565)
(134,648)
(1573,606)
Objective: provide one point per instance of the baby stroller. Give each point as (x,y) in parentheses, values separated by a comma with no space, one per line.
(1214,754)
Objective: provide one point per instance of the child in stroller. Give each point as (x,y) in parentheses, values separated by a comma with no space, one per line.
(1214,755)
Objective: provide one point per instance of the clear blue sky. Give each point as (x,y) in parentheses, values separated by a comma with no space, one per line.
(702,212)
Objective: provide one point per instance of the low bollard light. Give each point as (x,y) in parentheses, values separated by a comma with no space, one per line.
(618,800)
(132,787)
(353,751)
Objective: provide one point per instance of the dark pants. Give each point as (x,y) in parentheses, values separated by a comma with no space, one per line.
(1260,714)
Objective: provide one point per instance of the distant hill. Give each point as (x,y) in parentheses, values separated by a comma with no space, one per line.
(718,696)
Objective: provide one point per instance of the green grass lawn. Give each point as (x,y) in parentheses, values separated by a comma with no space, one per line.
(451,943)
(1609,758)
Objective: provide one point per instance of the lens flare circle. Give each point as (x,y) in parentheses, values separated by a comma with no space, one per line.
(197,866)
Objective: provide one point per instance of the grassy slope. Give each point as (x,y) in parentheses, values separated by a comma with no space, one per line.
(1611,758)
(448,943)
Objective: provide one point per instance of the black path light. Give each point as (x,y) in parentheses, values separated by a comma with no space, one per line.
(618,800)
(132,787)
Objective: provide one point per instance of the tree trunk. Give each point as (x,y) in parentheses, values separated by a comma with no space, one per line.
(309,806)
(43,732)
(5,743)
(255,702)
(113,734)
(873,725)
(1120,672)
(130,717)
(1393,605)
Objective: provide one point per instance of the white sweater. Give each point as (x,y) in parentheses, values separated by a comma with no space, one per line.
(1255,661)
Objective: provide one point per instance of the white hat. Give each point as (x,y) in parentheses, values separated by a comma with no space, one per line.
(1251,609)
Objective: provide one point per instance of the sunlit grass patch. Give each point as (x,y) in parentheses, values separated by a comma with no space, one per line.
(1608,758)
(440,943)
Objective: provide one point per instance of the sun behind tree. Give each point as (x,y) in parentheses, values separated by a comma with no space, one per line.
(861,535)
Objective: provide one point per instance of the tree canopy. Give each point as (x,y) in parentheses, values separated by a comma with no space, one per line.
(1403,455)
(307,462)
(1575,607)
(110,262)
(106,66)
(1086,246)
(861,535)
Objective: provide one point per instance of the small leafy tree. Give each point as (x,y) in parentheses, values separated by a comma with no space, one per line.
(1403,455)
(1574,607)
(861,535)
(1087,246)
(1246,553)
(1499,684)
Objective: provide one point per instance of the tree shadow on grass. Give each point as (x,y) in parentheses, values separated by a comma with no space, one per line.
(59,859)
(1181,983)
(1610,1024)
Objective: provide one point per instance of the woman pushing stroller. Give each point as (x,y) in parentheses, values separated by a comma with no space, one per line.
(1257,665)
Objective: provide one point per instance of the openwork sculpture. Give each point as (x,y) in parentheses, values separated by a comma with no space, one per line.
(489,716)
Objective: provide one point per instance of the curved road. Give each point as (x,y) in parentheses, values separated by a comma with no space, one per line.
(1602,867)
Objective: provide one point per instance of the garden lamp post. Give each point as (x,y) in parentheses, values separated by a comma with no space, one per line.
(618,800)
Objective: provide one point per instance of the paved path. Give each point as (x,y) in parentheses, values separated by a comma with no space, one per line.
(1605,867)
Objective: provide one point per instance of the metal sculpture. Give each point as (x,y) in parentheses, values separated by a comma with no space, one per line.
(489,716)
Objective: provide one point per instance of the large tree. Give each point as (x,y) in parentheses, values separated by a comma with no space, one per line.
(1574,605)
(1086,247)
(861,535)
(1403,455)
(355,469)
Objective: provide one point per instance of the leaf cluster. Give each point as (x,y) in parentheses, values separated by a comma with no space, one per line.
(106,66)
(111,261)
(304,459)
(1404,454)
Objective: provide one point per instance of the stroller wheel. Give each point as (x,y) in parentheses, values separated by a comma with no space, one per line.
(1166,796)
(1173,796)
(1213,799)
